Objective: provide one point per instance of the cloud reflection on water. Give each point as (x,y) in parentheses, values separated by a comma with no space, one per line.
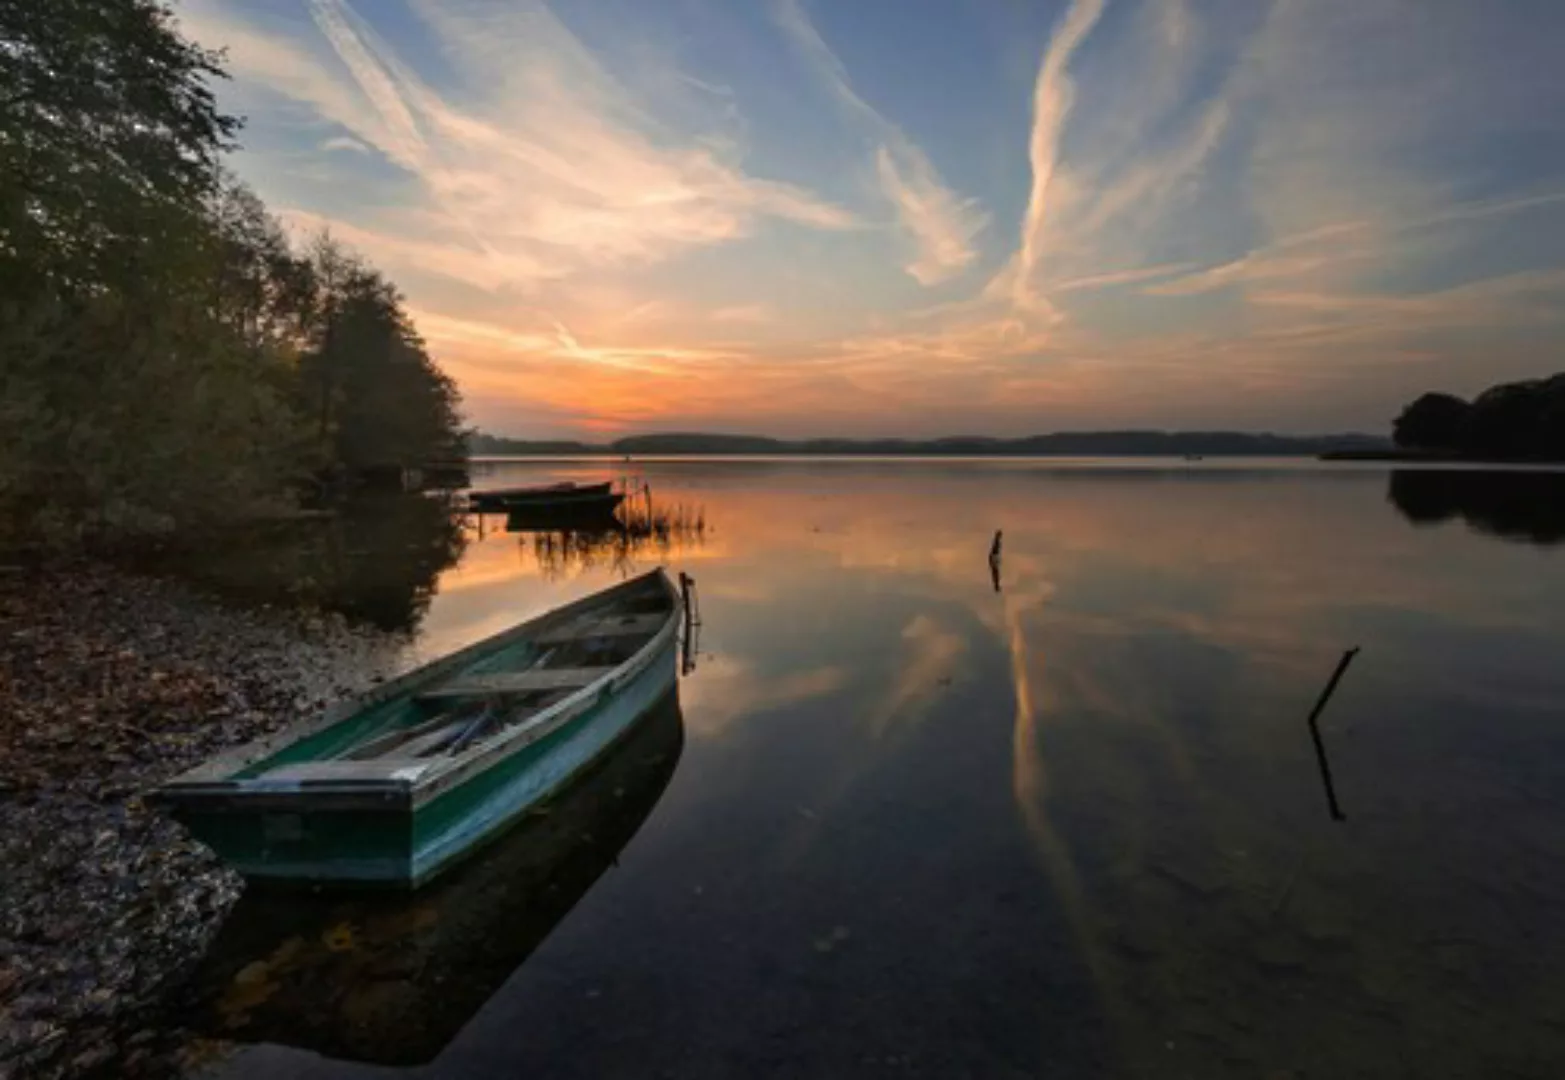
(1145,674)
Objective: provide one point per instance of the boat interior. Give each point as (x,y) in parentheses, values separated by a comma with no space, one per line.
(499,692)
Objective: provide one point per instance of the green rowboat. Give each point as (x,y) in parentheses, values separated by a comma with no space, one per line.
(390,978)
(395,786)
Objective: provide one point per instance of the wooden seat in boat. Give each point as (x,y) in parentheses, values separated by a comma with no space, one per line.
(336,772)
(610,626)
(517,682)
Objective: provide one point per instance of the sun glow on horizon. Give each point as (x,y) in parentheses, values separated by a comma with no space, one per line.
(1111,213)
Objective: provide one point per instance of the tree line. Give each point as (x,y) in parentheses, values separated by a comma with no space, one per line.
(1063,443)
(1519,421)
(168,359)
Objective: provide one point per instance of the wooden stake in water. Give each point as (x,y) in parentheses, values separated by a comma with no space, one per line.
(1320,746)
(687,589)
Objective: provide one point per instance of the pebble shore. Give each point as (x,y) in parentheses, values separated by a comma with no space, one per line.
(109,684)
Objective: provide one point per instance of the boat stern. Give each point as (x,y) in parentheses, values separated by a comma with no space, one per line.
(301,836)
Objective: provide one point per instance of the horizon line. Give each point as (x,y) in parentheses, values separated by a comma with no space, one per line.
(1061,433)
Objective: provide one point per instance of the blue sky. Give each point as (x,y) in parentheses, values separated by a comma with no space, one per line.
(921,217)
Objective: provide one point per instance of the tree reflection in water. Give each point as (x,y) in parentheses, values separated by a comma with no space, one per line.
(1527,506)
(372,559)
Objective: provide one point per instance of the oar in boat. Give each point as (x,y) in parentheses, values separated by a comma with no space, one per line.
(474,729)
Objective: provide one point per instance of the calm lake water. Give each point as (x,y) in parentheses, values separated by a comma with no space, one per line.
(909,818)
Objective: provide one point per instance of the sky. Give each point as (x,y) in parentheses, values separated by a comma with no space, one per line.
(928,217)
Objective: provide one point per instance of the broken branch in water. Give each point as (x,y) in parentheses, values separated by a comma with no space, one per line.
(1320,746)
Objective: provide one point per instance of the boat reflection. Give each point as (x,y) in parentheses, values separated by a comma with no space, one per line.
(641,531)
(590,511)
(391,979)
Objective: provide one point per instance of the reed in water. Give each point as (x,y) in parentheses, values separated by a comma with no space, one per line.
(642,529)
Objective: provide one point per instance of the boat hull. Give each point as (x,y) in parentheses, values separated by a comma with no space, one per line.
(451,945)
(403,839)
(585,495)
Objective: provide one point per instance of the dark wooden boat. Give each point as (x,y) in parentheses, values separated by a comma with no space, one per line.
(391,979)
(566,512)
(496,499)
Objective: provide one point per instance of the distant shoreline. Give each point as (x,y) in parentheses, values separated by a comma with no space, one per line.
(722,455)
(1394,460)
(1179,444)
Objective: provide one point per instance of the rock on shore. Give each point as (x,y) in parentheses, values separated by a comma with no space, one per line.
(109,684)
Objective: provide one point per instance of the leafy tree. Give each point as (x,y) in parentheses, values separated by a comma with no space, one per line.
(1433,422)
(166,358)
(106,121)
(264,293)
(1510,421)
(1504,420)
(379,398)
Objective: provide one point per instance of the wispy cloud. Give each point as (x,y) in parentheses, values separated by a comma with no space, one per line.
(1115,172)
(639,221)
(430,244)
(1110,278)
(1156,175)
(741,313)
(1487,208)
(1343,243)
(942,224)
(1053,94)
(1508,296)
(345,142)
(543,166)
(1256,266)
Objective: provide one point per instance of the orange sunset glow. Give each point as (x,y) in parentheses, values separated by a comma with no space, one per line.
(800,219)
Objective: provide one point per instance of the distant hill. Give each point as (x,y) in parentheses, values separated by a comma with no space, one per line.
(1059,444)
(481,445)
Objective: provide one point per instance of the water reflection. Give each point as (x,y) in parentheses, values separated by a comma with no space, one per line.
(690,632)
(1073,828)
(1320,744)
(1526,506)
(640,531)
(392,979)
(374,559)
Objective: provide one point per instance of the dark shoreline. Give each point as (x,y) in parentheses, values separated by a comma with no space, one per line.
(1125,443)
(1433,457)
(109,683)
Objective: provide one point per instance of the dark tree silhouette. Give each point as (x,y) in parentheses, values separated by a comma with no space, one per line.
(376,396)
(166,360)
(1433,422)
(1520,421)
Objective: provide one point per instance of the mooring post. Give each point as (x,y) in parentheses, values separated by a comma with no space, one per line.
(994,548)
(688,646)
(687,590)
